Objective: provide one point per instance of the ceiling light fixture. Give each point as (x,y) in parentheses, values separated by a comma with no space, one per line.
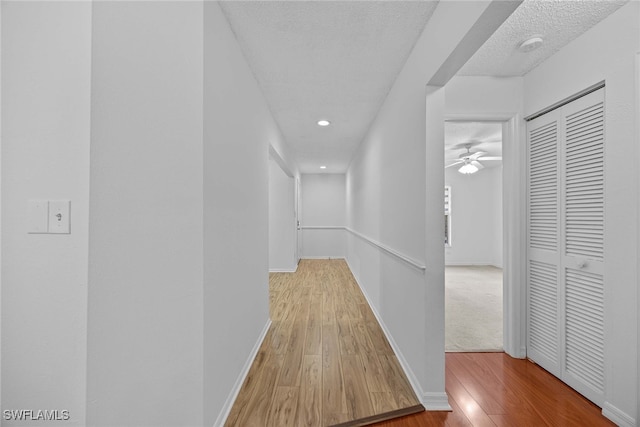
(324,122)
(323,167)
(468,168)
(530,44)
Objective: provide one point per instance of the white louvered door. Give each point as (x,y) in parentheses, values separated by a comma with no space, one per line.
(566,244)
(544,229)
(583,254)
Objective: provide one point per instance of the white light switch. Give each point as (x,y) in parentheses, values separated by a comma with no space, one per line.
(37,216)
(59,216)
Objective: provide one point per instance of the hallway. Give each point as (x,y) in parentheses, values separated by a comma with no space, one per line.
(325,359)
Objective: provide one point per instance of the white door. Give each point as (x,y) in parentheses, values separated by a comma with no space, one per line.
(566,243)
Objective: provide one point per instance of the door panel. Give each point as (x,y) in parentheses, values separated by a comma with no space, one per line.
(543,315)
(583,244)
(543,237)
(566,244)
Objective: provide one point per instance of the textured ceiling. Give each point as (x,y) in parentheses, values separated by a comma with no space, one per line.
(481,136)
(557,21)
(337,60)
(326,60)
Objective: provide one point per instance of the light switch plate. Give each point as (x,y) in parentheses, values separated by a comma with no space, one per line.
(59,216)
(37,216)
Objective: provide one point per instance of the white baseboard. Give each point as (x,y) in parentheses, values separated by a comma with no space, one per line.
(617,416)
(284,270)
(522,354)
(324,257)
(474,264)
(226,409)
(431,401)
(436,401)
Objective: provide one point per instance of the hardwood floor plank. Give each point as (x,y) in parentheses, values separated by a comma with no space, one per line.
(482,385)
(300,377)
(334,404)
(283,408)
(522,382)
(552,400)
(489,387)
(244,396)
(277,338)
(310,401)
(292,367)
(381,417)
(382,402)
(378,339)
(469,406)
(328,310)
(355,388)
(330,358)
(374,375)
(341,308)
(252,410)
(518,419)
(348,345)
(397,382)
(456,418)
(421,419)
(361,334)
(313,343)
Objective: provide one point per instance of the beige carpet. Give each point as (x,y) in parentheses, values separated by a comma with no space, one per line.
(473,308)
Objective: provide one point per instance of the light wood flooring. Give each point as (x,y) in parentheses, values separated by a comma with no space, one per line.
(325,359)
(494,389)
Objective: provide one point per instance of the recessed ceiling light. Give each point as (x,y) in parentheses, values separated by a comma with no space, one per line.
(323,167)
(324,122)
(530,44)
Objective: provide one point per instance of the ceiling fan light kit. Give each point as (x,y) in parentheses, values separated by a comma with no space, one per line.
(469,161)
(468,168)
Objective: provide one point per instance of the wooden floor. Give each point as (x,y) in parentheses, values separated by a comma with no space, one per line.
(325,360)
(493,389)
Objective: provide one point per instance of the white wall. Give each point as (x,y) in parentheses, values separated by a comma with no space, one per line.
(178,247)
(607,52)
(476,214)
(145,347)
(46,60)
(237,133)
(483,96)
(282,220)
(0,204)
(498,225)
(389,182)
(323,199)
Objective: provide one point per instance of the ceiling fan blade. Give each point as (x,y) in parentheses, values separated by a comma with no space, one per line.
(455,163)
(477,164)
(474,156)
(490,158)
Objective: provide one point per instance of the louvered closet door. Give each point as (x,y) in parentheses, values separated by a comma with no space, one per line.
(583,246)
(566,244)
(544,243)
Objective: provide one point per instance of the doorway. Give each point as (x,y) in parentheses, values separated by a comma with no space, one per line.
(282,216)
(473,236)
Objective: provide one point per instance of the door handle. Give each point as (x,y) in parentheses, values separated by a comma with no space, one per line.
(581,263)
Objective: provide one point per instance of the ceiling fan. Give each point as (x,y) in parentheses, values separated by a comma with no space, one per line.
(471,161)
